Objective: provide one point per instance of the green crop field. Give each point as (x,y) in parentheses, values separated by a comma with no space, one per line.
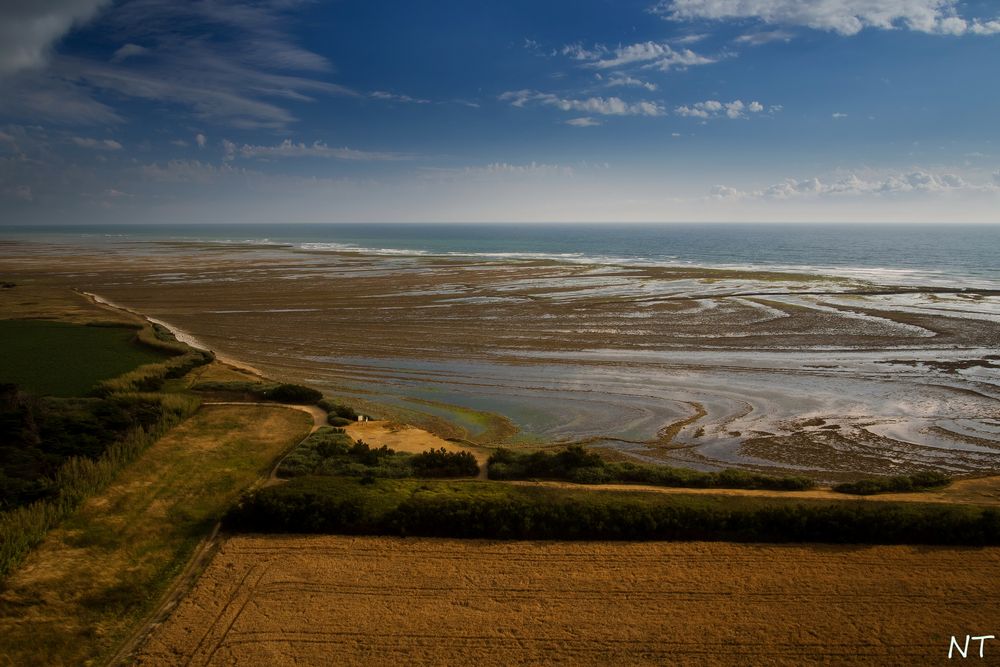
(61,359)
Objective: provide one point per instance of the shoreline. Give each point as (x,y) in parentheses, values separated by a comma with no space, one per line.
(181,335)
(570,353)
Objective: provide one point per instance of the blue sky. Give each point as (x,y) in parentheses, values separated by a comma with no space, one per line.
(594,110)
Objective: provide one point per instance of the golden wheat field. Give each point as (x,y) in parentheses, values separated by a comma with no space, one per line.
(271,600)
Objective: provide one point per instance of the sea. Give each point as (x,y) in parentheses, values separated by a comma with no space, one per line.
(953,255)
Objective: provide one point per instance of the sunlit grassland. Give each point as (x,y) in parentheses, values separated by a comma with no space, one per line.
(97,574)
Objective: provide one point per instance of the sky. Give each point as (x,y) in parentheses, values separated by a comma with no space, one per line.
(587,110)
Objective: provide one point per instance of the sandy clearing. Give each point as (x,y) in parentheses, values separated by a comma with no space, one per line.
(404,438)
(276,600)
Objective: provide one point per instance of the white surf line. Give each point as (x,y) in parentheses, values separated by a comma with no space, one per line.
(178,333)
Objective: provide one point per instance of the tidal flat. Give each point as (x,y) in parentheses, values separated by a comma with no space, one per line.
(693,366)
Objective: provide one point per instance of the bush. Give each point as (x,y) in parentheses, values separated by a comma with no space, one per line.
(576,464)
(338,410)
(471,509)
(921,481)
(442,463)
(331,452)
(293,393)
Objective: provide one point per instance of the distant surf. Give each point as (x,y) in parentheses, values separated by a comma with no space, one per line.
(952,255)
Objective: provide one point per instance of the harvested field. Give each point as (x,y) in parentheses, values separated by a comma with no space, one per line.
(390,601)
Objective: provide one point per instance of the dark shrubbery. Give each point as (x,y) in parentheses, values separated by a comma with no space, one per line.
(293,393)
(576,464)
(57,452)
(279,393)
(921,481)
(442,463)
(38,435)
(472,509)
(342,414)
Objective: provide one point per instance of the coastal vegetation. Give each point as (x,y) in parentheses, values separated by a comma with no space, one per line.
(107,565)
(476,509)
(921,481)
(51,358)
(338,414)
(73,427)
(329,451)
(576,464)
(262,391)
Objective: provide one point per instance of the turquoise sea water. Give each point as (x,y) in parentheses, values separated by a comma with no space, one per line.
(946,254)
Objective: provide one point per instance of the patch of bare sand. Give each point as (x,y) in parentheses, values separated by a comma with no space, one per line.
(274,600)
(410,439)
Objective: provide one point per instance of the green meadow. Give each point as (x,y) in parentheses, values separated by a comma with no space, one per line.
(49,358)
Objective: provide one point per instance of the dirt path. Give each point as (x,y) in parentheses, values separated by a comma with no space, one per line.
(318,414)
(208,547)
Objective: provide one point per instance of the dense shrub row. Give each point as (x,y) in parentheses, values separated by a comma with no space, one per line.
(486,510)
(921,481)
(279,393)
(442,463)
(329,451)
(576,464)
(38,435)
(152,376)
(337,413)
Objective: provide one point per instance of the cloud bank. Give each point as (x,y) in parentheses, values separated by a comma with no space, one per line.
(846,17)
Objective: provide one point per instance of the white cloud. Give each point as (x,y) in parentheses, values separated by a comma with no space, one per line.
(200,140)
(287,149)
(714,109)
(128,51)
(619,79)
(229,64)
(912,182)
(184,171)
(28,29)
(578,52)
(764,37)
(652,55)
(690,39)
(98,144)
(532,168)
(846,17)
(394,97)
(500,171)
(605,106)
(838,115)
(585,121)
